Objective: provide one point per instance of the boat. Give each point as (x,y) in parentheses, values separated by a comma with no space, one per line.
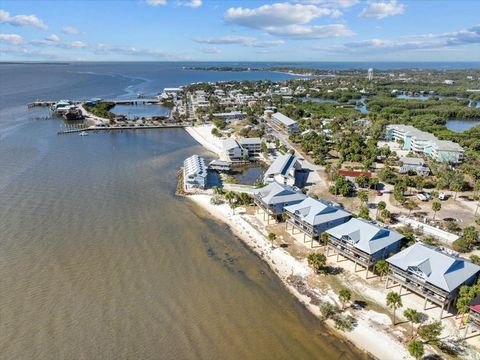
(83,133)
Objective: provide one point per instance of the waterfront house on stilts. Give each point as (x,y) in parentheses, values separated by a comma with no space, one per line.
(432,273)
(312,217)
(362,242)
(272,199)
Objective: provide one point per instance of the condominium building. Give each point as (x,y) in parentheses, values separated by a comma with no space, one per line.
(285,122)
(194,173)
(423,142)
(283,170)
(252,145)
(232,151)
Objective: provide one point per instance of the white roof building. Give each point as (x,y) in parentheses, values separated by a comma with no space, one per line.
(194,172)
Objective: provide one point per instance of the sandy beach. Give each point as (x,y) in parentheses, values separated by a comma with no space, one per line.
(372,332)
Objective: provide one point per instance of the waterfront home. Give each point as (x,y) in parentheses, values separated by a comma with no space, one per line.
(283,170)
(422,142)
(284,122)
(273,198)
(194,173)
(232,151)
(433,273)
(252,145)
(417,165)
(363,242)
(312,217)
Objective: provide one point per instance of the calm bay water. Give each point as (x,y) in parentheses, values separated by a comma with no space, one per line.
(100,260)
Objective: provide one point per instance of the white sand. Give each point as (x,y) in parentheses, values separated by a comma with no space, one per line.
(372,333)
(203,135)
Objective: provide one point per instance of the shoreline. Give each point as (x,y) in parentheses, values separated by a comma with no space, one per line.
(365,337)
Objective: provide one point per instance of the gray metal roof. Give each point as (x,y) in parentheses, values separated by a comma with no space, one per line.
(230,143)
(250,141)
(412,161)
(285,120)
(281,165)
(365,236)
(316,212)
(275,193)
(445,271)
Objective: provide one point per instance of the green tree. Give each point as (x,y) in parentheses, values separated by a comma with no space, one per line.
(413,317)
(382,267)
(394,301)
(317,261)
(374,181)
(344,295)
(324,238)
(475,259)
(382,205)
(272,237)
(431,332)
(386,215)
(456,187)
(364,213)
(410,205)
(416,349)
(436,206)
(363,196)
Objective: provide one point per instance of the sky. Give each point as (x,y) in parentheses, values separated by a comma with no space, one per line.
(248,30)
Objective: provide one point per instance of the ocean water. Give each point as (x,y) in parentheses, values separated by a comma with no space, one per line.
(98,257)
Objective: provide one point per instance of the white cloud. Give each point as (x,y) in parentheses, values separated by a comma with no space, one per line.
(156,2)
(191,3)
(332,3)
(210,50)
(276,15)
(383,9)
(21,20)
(290,20)
(70,30)
(238,40)
(13,39)
(313,32)
(52,38)
(419,42)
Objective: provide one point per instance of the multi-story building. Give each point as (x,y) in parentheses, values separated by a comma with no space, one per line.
(426,143)
(232,151)
(283,170)
(285,122)
(362,242)
(194,173)
(273,198)
(312,217)
(432,273)
(252,145)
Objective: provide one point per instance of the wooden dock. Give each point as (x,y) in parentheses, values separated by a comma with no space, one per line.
(48,103)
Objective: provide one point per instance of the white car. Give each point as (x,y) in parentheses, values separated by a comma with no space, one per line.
(421,197)
(442,196)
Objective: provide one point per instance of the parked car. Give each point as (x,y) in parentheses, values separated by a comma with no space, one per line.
(422,197)
(442,196)
(379,193)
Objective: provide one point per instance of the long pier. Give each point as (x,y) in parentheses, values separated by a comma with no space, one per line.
(48,103)
(120,128)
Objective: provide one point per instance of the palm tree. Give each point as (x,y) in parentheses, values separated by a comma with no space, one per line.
(456,187)
(386,215)
(317,261)
(382,205)
(272,237)
(229,196)
(324,238)
(381,267)
(344,295)
(410,205)
(412,316)
(374,181)
(394,301)
(436,206)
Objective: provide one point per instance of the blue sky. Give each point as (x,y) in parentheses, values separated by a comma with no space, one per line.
(248,30)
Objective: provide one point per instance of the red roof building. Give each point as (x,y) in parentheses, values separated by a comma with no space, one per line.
(353,173)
